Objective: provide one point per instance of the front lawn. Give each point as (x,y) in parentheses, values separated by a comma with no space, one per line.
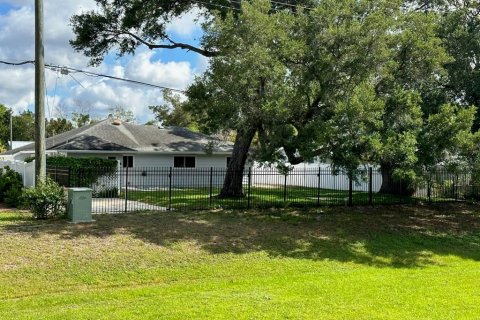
(260,197)
(399,262)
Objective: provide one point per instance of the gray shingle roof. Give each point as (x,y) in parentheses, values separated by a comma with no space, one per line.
(128,137)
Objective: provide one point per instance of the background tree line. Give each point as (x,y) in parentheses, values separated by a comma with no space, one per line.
(23,124)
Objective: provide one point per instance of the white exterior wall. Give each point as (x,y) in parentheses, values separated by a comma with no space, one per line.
(156,173)
(152,171)
(147,160)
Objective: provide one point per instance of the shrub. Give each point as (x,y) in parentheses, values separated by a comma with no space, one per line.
(83,172)
(47,200)
(106,193)
(11,186)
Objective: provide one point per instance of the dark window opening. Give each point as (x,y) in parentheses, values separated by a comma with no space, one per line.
(184,162)
(127,161)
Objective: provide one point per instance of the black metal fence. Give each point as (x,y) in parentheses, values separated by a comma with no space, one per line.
(163,189)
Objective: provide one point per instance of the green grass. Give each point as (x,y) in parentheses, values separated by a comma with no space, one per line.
(260,197)
(399,262)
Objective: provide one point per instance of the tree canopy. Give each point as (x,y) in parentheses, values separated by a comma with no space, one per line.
(123,26)
(354,81)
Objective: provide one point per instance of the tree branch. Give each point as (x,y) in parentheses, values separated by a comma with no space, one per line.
(293,159)
(173,45)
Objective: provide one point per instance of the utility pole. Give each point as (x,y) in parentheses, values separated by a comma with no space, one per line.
(40,153)
(11,129)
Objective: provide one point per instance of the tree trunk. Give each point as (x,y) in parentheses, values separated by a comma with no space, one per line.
(233,182)
(391,185)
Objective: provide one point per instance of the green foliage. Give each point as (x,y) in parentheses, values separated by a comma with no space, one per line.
(77,163)
(84,171)
(174,112)
(460,29)
(122,113)
(29,159)
(57,126)
(353,81)
(354,130)
(81,119)
(46,200)
(11,186)
(126,25)
(23,125)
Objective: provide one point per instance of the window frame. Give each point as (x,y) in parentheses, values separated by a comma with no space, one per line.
(184,162)
(128,164)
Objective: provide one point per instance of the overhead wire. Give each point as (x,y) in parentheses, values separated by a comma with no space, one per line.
(217,5)
(46,98)
(55,91)
(17,63)
(93,74)
(75,79)
(240,2)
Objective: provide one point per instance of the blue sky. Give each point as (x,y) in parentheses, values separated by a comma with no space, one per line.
(77,92)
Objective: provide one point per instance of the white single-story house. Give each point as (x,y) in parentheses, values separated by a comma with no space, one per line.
(144,153)
(135,146)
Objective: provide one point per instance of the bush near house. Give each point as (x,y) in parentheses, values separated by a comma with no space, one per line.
(11,186)
(82,171)
(47,200)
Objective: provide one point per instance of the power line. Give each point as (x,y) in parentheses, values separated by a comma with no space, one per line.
(218,5)
(240,2)
(68,70)
(17,63)
(93,74)
(291,5)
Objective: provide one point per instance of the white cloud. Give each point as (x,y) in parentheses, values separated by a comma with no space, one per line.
(171,74)
(17,44)
(187,24)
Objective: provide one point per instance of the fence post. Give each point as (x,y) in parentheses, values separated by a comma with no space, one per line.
(126,188)
(455,187)
(401,191)
(285,188)
(370,186)
(170,190)
(69,172)
(211,185)
(24,175)
(350,192)
(249,187)
(319,185)
(429,191)
(79,178)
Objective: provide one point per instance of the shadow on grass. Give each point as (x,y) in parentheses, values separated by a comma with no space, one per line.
(393,236)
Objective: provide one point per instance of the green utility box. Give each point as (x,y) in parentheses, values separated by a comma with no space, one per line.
(79,205)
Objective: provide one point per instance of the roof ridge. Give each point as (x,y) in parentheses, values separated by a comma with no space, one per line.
(78,132)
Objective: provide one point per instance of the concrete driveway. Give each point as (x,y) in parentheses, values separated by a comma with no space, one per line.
(116,205)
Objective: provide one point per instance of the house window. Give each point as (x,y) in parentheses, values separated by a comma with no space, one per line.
(127,161)
(184,162)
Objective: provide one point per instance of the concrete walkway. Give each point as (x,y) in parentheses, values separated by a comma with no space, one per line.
(116,205)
